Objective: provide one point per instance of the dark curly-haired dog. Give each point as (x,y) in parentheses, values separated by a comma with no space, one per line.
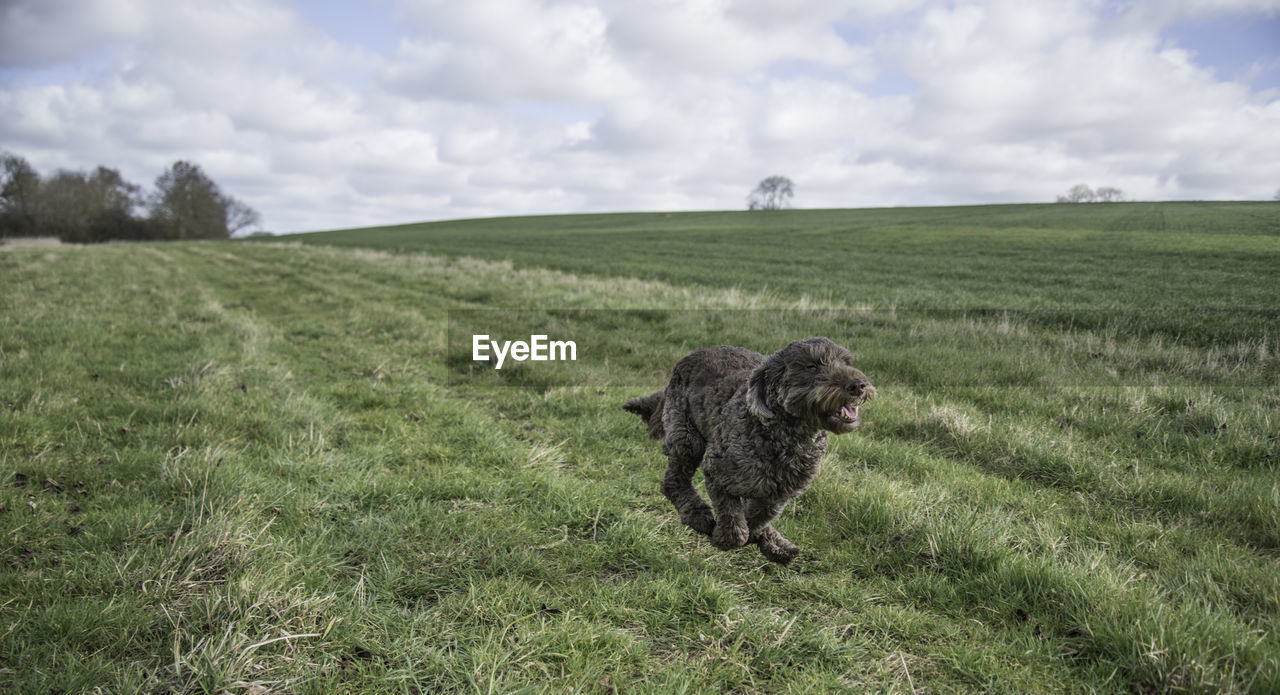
(761,423)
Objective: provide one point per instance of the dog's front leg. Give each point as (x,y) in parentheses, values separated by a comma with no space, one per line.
(731,522)
(775,547)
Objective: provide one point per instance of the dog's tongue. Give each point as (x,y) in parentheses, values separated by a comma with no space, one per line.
(850,412)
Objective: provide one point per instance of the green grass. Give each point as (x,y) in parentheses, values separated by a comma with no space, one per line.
(1141,266)
(240,466)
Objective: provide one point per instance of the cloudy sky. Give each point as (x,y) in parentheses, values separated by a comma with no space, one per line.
(332,114)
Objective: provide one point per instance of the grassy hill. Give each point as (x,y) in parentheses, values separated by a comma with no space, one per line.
(247,466)
(1143,266)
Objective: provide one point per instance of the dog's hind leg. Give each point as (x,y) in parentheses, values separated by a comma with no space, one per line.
(684,449)
(776,548)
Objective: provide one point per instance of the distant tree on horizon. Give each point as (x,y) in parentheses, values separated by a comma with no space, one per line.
(19,191)
(773,193)
(82,208)
(189,205)
(1081,193)
(1109,194)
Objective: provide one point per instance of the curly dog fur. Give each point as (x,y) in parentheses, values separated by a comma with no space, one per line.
(757,426)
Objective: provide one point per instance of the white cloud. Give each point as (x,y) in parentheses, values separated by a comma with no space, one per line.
(714,36)
(506,50)
(53,31)
(521,106)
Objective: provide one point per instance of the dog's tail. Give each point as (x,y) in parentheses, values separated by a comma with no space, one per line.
(649,408)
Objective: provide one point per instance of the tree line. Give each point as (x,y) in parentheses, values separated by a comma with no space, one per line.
(88,207)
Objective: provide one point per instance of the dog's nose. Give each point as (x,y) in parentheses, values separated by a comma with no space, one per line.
(856,387)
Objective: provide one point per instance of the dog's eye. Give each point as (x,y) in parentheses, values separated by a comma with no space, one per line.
(812,367)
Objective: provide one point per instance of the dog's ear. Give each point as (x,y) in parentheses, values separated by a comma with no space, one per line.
(761,383)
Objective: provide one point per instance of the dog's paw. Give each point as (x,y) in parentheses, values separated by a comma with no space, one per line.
(729,536)
(782,553)
(700,520)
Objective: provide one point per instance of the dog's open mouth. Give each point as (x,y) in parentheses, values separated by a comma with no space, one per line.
(837,410)
(848,414)
(842,419)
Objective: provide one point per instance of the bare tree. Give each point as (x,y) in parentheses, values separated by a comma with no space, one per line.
(1079,193)
(1109,194)
(773,193)
(1277,195)
(240,216)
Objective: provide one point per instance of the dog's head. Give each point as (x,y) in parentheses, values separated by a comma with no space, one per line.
(813,380)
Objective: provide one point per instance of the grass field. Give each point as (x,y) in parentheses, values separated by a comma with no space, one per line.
(252,467)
